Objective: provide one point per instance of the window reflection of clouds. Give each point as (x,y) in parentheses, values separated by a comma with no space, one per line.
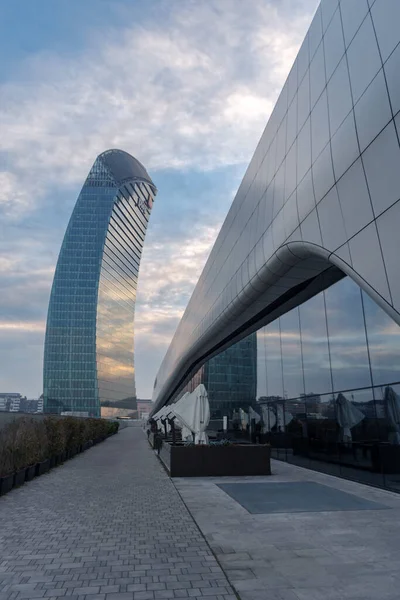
(314,341)
(383,342)
(261,364)
(347,338)
(274,359)
(344,360)
(291,355)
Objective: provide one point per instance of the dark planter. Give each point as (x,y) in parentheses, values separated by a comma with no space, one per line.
(72,452)
(19,478)
(30,473)
(6,484)
(87,445)
(60,458)
(53,462)
(216,461)
(42,467)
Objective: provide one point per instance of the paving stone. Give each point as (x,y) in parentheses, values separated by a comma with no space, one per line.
(123,534)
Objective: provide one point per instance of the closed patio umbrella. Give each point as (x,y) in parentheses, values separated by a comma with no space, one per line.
(283,416)
(348,416)
(254,415)
(202,414)
(391,403)
(193,412)
(185,431)
(269,417)
(244,418)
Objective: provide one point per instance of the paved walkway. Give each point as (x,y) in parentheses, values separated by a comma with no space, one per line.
(107,525)
(349,554)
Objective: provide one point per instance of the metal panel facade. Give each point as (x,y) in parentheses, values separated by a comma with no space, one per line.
(322,188)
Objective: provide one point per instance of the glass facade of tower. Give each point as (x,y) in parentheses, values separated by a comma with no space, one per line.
(230,378)
(88,358)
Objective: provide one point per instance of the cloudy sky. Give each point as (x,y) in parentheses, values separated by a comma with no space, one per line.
(186,86)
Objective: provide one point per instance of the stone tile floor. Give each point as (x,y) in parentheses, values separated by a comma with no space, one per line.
(331,555)
(107,525)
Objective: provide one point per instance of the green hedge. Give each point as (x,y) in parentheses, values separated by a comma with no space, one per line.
(27,441)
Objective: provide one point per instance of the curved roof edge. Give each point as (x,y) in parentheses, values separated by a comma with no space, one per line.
(123,166)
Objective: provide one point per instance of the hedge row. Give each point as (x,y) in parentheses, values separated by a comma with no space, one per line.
(28,441)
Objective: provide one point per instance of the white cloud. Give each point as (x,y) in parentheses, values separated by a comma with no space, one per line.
(14,198)
(195,91)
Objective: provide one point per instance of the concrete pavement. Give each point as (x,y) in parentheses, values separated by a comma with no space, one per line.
(349,552)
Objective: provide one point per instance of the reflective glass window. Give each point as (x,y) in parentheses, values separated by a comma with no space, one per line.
(383,336)
(314,343)
(293,382)
(274,360)
(347,337)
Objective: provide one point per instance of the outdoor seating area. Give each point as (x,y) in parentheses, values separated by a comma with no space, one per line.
(178,434)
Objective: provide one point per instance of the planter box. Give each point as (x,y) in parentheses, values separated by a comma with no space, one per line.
(42,467)
(61,458)
(30,473)
(87,445)
(19,478)
(6,484)
(216,461)
(72,452)
(53,462)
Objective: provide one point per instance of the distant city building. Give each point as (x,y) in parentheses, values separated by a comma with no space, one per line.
(88,356)
(75,413)
(39,407)
(144,408)
(17,403)
(10,402)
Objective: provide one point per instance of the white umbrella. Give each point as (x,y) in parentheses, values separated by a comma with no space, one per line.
(283,417)
(254,415)
(244,418)
(392,408)
(269,417)
(348,416)
(185,431)
(193,412)
(163,413)
(202,414)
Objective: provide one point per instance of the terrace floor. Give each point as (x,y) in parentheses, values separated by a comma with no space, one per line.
(111,525)
(299,534)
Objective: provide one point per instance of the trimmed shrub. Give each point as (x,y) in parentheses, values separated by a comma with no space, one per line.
(22,443)
(56,435)
(27,441)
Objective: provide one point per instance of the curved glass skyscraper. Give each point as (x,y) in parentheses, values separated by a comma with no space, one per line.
(88,355)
